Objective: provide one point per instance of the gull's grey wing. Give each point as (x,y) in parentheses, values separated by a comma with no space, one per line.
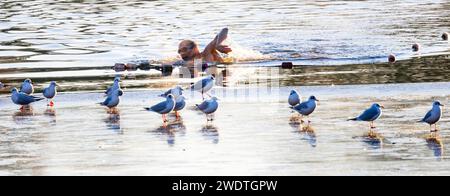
(179,105)
(107,100)
(203,106)
(26,99)
(159,107)
(427,116)
(302,106)
(370,114)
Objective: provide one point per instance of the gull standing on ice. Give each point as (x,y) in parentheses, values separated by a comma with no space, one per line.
(306,108)
(294,98)
(115,86)
(113,100)
(433,116)
(50,93)
(370,115)
(164,107)
(209,107)
(23,99)
(204,85)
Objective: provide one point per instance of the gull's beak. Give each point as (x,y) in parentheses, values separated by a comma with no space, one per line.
(382,106)
(441,105)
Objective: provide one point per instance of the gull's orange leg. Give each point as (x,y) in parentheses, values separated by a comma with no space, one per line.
(177,115)
(165,118)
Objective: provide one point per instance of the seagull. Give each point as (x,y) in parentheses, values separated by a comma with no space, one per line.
(23,99)
(164,107)
(306,108)
(370,115)
(294,98)
(27,87)
(50,92)
(180,103)
(113,99)
(176,92)
(204,85)
(115,86)
(209,107)
(433,116)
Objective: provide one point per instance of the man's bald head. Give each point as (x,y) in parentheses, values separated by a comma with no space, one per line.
(188,49)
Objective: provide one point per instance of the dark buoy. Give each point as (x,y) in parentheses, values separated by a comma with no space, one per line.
(416,47)
(119,67)
(166,70)
(445,36)
(391,58)
(287,65)
(224,73)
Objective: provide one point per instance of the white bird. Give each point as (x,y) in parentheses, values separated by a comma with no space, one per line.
(306,108)
(113,99)
(23,99)
(294,98)
(115,86)
(176,92)
(433,116)
(27,87)
(204,85)
(164,107)
(50,92)
(370,115)
(209,107)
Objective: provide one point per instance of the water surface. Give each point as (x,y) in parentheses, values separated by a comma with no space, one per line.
(81,40)
(339,49)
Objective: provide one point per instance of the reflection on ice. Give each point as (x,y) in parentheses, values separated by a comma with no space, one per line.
(210,132)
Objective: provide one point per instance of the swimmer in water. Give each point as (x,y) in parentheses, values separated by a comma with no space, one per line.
(195,61)
(189,51)
(191,56)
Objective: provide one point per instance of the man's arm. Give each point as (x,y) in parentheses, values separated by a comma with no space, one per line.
(216,43)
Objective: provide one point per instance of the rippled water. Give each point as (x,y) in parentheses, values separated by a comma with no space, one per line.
(80,40)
